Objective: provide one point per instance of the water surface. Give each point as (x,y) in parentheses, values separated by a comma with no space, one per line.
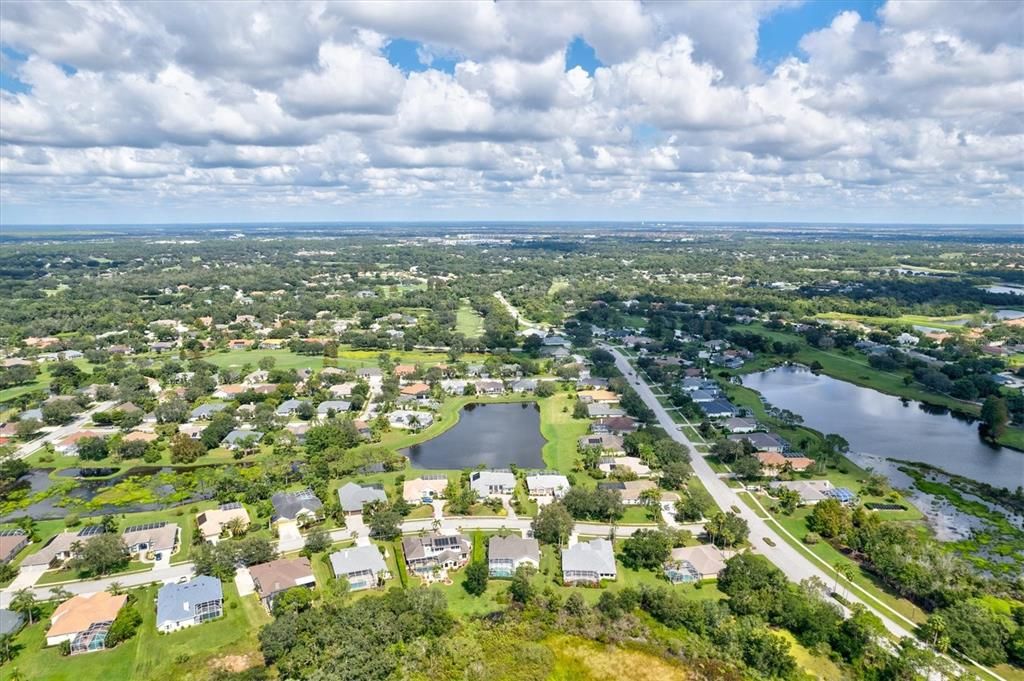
(878,424)
(492,435)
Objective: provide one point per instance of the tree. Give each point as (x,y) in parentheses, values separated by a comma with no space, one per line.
(553,524)
(754,585)
(747,467)
(674,475)
(522,590)
(788,499)
(92,448)
(768,654)
(975,632)
(727,529)
(185,450)
(58,412)
(293,600)
(994,416)
(254,550)
(829,518)
(215,560)
(115,588)
(174,410)
(385,524)
(545,389)
(24,602)
(475,582)
(646,549)
(692,505)
(579,410)
(102,554)
(317,541)
(124,626)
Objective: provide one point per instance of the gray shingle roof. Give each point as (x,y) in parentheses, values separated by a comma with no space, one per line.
(177,602)
(353,497)
(287,505)
(356,560)
(595,555)
(513,548)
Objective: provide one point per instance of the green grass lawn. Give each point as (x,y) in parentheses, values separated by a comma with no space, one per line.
(562,432)
(42,381)
(468,321)
(150,655)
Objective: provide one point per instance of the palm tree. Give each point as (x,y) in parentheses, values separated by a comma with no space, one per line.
(115,589)
(24,601)
(59,593)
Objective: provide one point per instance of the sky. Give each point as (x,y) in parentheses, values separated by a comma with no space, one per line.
(776,110)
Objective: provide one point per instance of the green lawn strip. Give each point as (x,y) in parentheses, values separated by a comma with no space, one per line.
(746,498)
(561,431)
(636,515)
(468,321)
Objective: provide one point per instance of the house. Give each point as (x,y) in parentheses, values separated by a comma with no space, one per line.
(606,442)
(353,497)
(740,425)
(193,430)
(436,551)
(694,563)
(810,491)
(277,576)
(11,542)
(293,506)
(299,430)
(10,622)
(490,387)
(340,390)
(228,391)
(547,485)
(773,463)
(239,438)
(405,418)
(617,425)
(907,339)
(556,352)
(370,374)
(524,385)
(69,445)
(84,621)
(240,344)
(591,382)
(288,408)
(416,390)
(156,538)
(598,396)
(362,566)
(198,600)
(596,410)
(61,547)
(702,396)
(205,412)
(633,464)
(763,442)
(490,483)
(213,523)
(424,489)
(718,408)
(403,370)
(506,554)
(31,415)
(630,490)
(588,562)
(162,346)
(328,407)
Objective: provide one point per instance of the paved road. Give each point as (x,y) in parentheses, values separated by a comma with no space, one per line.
(61,432)
(795,565)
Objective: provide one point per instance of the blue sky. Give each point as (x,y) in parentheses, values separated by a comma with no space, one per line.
(170,111)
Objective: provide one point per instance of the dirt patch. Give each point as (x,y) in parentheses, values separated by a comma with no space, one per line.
(234,663)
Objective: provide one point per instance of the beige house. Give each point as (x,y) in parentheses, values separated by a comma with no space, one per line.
(424,489)
(695,563)
(84,621)
(211,523)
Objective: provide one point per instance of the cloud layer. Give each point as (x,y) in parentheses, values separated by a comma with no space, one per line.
(164,112)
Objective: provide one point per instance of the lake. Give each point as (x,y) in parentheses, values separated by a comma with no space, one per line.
(882,425)
(492,435)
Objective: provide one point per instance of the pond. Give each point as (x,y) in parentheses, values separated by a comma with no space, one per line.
(492,435)
(880,425)
(71,489)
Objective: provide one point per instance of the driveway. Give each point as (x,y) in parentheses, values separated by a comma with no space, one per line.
(244,583)
(290,538)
